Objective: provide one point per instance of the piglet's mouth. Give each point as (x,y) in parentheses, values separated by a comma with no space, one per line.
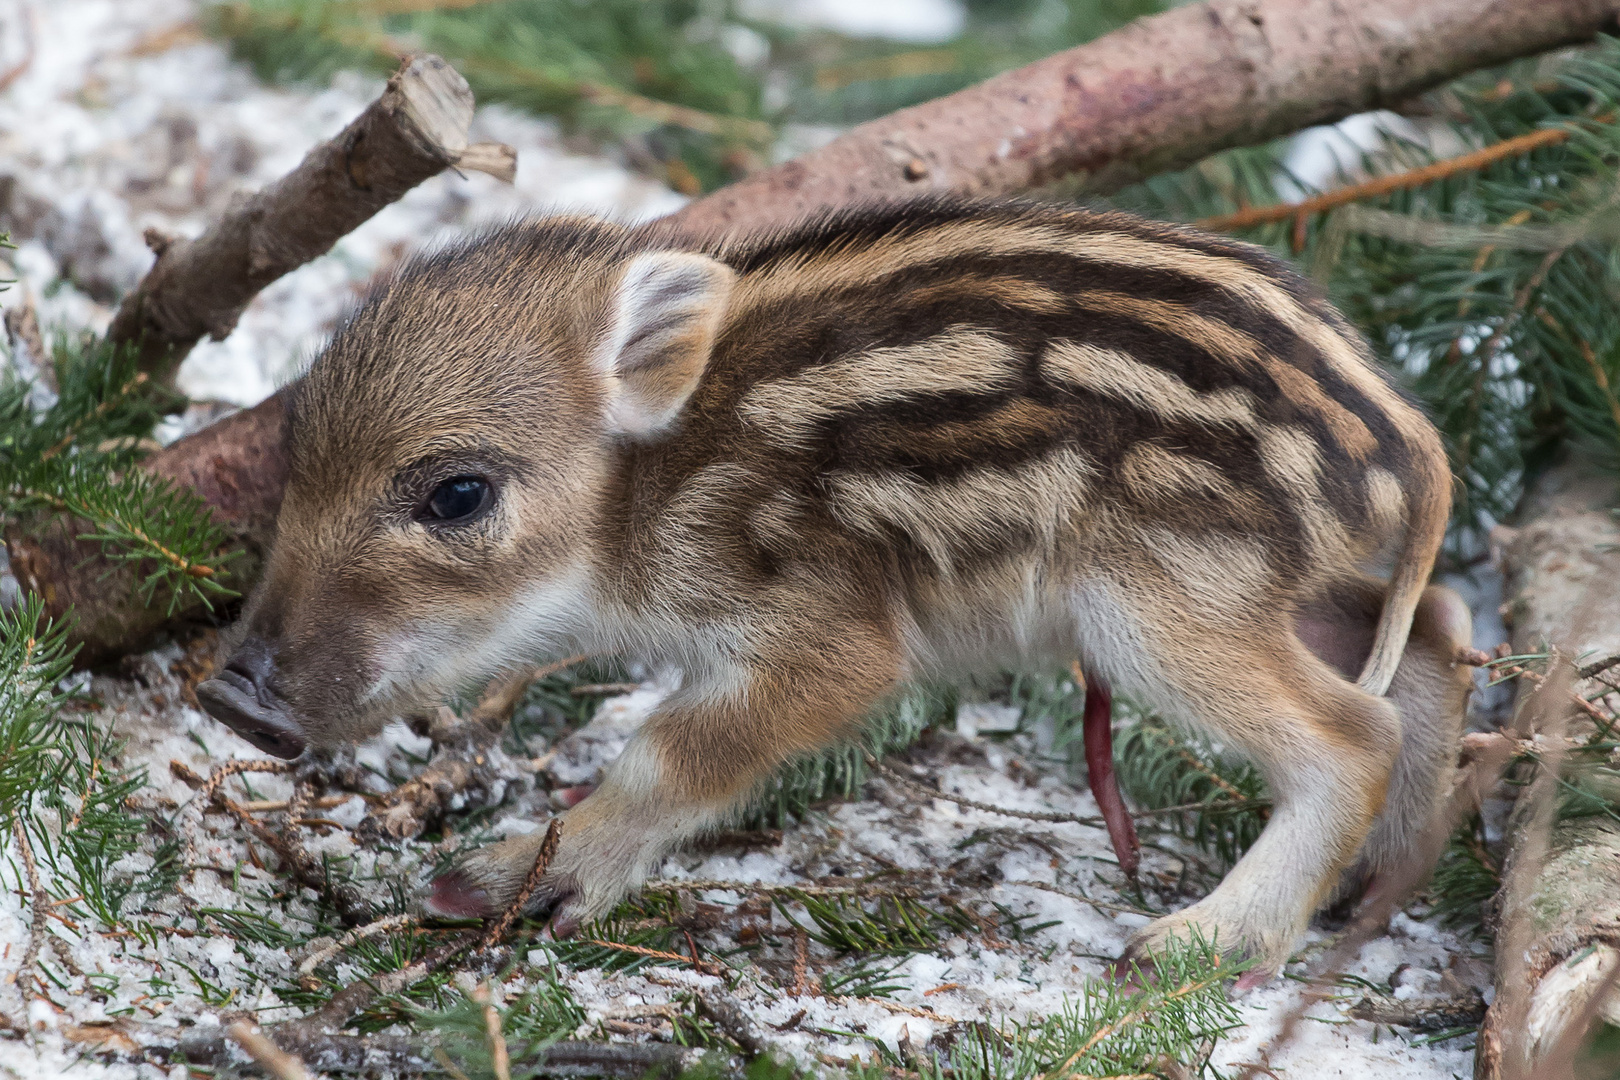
(232,700)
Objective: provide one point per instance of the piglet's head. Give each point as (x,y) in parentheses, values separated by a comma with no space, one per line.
(451,455)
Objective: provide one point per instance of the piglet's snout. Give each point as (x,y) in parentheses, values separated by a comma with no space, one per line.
(240,698)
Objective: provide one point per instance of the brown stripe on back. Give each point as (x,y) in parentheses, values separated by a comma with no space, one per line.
(992,432)
(1233,346)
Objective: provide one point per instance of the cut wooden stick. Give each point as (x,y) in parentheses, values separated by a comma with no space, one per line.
(415,130)
(500,1062)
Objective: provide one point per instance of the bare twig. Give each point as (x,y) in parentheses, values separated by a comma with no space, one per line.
(1100,905)
(732,1019)
(933,793)
(417,128)
(359,933)
(28,353)
(708,967)
(500,1061)
(361,993)
(461,766)
(548,850)
(1597,667)
(1384,185)
(40,903)
(276,1061)
(329,1052)
(352,908)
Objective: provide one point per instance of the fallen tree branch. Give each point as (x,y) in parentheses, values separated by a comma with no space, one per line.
(272,1058)
(416,129)
(1158,94)
(1558,915)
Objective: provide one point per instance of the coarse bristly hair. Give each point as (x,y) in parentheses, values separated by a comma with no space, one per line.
(806,466)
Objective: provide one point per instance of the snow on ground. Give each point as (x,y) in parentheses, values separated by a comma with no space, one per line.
(119,118)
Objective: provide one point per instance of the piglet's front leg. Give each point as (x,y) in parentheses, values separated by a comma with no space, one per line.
(693,764)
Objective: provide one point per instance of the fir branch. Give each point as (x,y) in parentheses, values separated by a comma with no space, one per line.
(1171,1011)
(76,459)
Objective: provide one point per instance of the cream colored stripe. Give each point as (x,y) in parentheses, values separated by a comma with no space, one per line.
(1236,347)
(962,359)
(1120,375)
(971,512)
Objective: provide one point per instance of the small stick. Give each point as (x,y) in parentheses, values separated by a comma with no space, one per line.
(730,1018)
(542,862)
(351,907)
(1597,667)
(359,933)
(1384,185)
(449,1066)
(27,981)
(275,1061)
(224,772)
(705,966)
(1118,909)
(933,793)
(801,962)
(498,1059)
(892,1006)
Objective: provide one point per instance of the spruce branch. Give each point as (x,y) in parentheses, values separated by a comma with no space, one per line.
(78,459)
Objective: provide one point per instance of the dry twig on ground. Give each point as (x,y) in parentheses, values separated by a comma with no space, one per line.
(272,1058)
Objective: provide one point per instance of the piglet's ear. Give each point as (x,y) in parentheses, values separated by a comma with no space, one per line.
(663,318)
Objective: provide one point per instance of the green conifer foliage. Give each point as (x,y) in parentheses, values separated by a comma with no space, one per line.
(77,457)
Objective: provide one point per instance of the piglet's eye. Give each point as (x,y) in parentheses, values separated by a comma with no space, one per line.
(457,499)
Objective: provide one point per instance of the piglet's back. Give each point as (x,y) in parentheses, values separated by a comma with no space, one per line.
(966,383)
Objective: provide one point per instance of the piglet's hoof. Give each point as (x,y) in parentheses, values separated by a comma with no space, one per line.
(1253,979)
(569,797)
(452,896)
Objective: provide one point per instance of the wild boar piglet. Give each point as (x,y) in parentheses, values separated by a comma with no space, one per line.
(807,466)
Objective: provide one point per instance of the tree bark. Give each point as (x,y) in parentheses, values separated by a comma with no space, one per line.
(1158,94)
(1558,917)
(415,130)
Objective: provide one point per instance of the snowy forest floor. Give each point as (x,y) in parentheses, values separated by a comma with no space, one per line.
(121,117)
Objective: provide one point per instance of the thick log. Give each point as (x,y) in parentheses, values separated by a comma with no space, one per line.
(1160,93)
(415,130)
(1558,917)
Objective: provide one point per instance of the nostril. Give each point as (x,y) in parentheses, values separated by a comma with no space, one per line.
(253,661)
